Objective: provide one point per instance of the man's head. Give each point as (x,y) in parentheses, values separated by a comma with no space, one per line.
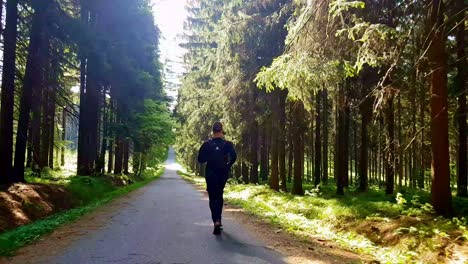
(218,129)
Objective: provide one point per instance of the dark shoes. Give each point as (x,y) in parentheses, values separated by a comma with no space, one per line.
(217,230)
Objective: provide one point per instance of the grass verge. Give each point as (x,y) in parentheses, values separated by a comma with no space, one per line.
(89,192)
(391,229)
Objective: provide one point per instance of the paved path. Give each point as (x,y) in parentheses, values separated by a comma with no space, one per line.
(167,221)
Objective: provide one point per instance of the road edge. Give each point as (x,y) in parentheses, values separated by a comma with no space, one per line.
(61,219)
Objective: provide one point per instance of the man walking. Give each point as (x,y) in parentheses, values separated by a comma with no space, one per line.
(220,156)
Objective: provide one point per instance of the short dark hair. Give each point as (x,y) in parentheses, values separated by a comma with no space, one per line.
(217,127)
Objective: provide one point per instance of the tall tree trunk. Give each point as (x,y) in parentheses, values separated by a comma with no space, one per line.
(8,91)
(345,152)
(325,137)
(82,154)
(53,158)
(237,170)
(110,159)
(318,139)
(400,163)
(264,153)
(244,157)
(422,145)
(29,151)
(111,142)
(340,147)
(390,157)
(54,86)
(307,159)
(253,136)
(282,139)
(413,150)
(126,155)
(33,80)
(106,120)
(298,141)
(45,128)
(88,152)
(460,81)
(355,148)
(119,156)
(64,134)
(105,136)
(308,177)
(245,172)
(36,128)
(136,161)
(366,114)
(52,123)
(254,153)
(379,151)
(92,135)
(440,193)
(336,138)
(290,152)
(274,177)
(372,161)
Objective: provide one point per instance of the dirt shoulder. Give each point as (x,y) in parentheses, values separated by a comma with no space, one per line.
(21,203)
(55,242)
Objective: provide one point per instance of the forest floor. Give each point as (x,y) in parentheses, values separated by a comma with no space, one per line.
(401,229)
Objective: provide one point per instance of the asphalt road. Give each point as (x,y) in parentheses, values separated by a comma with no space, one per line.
(167,221)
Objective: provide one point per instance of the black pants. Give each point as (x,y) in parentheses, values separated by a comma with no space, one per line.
(215,183)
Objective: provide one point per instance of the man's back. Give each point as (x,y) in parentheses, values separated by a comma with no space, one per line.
(218,153)
(220,156)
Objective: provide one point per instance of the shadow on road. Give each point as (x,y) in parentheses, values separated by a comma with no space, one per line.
(247,252)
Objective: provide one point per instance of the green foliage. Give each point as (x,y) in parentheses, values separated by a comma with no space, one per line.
(152,127)
(337,8)
(85,189)
(152,131)
(299,71)
(227,42)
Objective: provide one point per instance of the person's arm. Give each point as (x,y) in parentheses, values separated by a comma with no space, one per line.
(202,153)
(232,155)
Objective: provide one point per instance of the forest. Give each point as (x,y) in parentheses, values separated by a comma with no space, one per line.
(75,85)
(84,114)
(333,98)
(362,93)
(349,119)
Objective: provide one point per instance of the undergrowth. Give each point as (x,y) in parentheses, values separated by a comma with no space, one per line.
(393,229)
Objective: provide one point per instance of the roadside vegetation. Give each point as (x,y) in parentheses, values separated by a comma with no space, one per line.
(84,113)
(352,112)
(401,228)
(82,194)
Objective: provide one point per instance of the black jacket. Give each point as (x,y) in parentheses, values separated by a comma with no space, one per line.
(205,152)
